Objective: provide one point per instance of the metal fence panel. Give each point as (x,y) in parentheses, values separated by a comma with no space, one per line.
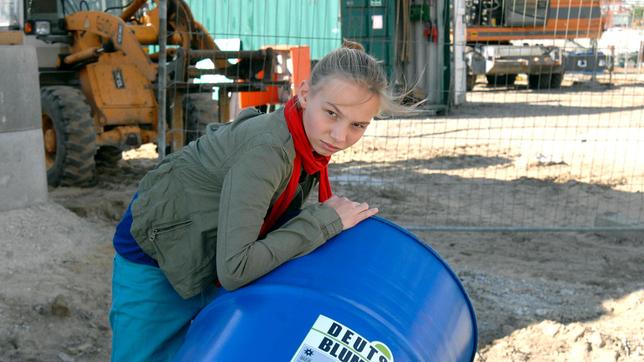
(552,146)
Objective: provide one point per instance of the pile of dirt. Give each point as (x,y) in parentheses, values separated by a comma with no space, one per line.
(56,267)
(55,271)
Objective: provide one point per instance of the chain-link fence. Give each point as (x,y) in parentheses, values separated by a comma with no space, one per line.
(551,134)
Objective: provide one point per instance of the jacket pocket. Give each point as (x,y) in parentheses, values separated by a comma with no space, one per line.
(164,228)
(166,239)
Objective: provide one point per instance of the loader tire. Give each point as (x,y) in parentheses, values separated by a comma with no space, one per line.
(545,81)
(535,82)
(555,80)
(470,82)
(69,135)
(501,80)
(108,156)
(200,110)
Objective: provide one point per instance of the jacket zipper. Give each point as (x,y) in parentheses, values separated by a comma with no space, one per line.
(159,230)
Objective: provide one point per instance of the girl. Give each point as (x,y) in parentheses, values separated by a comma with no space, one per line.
(214,213)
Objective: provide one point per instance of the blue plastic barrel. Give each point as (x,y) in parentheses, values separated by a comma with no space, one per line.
(373,293)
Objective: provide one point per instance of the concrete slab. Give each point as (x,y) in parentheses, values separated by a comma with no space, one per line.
(23,178)
(19,92)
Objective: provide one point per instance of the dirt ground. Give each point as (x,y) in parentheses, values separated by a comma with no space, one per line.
(510,158)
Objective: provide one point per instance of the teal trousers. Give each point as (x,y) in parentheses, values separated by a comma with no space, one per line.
(149,319)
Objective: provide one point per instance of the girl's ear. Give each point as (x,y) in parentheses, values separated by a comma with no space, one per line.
(303,93)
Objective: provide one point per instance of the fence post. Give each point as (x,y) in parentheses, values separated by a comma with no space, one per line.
(593,78)
(162,80)
(640,54)
(460,71)
(611,66)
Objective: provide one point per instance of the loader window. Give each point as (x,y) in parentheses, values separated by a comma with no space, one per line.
(9,14)
(41,7)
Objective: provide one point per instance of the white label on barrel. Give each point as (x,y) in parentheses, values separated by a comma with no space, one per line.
(330,341)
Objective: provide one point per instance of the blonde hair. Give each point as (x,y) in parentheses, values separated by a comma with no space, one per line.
(352,63)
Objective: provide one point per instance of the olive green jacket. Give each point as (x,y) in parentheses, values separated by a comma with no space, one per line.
(199,212)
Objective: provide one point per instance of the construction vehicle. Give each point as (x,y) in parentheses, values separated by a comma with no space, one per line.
(98,71)
(492,25)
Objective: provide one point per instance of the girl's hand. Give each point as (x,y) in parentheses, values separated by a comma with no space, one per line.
(351,213)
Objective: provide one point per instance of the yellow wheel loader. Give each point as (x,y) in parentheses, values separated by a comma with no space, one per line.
(98,70)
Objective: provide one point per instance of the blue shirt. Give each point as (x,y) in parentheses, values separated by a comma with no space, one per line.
(125,244)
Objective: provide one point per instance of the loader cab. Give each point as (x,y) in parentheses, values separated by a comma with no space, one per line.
(26,22)
(41,24)
(34,17)
(44,17)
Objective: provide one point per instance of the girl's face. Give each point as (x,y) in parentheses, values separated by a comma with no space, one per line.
(337,115)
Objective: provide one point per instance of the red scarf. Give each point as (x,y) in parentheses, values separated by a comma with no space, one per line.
(304,156)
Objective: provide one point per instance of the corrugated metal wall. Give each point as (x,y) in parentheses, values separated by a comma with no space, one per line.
(269,22)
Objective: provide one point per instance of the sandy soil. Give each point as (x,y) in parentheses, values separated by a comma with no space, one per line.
(510,158)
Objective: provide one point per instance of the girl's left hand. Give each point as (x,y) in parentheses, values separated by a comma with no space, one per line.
(351,213)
